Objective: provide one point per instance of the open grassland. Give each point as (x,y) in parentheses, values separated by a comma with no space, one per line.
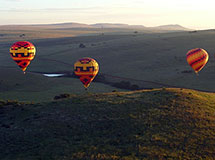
(151,124)
(147,60)
(14,85)
(24,32)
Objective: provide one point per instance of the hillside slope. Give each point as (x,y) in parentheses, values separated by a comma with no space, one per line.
(153,124)
(144,60)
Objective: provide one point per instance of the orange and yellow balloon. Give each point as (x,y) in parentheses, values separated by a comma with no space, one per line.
(86,68)
(22,53)
(197,58)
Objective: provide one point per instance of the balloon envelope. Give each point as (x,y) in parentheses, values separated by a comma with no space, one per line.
(86,68)
(197,58)
(22,53)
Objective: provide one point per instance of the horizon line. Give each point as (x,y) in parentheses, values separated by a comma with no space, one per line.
(113,23)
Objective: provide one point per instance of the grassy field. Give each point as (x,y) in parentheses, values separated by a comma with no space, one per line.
(104,123)
(150,124)
(37,88)
(142,58)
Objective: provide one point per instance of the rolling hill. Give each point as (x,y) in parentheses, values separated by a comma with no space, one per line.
(171,27)
(167,28)
(146,124)
(146,60)
(106,123)
(96,26)
(116,25)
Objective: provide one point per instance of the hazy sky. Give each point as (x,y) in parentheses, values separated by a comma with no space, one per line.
(198,14)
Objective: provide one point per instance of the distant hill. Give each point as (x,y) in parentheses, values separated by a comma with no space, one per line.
(171,27)
(153,124)
(70,25)
(98,25)
(119,25)
(115,25)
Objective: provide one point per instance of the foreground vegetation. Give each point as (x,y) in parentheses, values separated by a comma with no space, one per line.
(153,124)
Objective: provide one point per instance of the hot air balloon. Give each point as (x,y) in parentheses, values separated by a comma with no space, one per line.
(197,58)
(86,68)
(22,53)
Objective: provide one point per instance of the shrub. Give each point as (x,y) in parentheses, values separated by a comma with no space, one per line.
(62,96)
(82,45)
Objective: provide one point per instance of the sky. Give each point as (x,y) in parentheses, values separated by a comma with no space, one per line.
(195,14)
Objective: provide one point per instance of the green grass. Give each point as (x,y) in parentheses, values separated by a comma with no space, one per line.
(38,88)
(153,124)
(127,55)
(150,124)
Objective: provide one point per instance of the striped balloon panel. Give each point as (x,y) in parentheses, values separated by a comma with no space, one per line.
(22,53)
(86,69)
(197,58)
(86,80)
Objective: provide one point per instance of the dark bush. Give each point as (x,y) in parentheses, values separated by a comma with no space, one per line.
(193,32)
(187,71)
(82,45)
(2,103)
(22,35)
(61,96)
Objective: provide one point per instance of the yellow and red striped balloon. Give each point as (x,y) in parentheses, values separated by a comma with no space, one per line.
(86,68)
(22,53)
(197,58)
